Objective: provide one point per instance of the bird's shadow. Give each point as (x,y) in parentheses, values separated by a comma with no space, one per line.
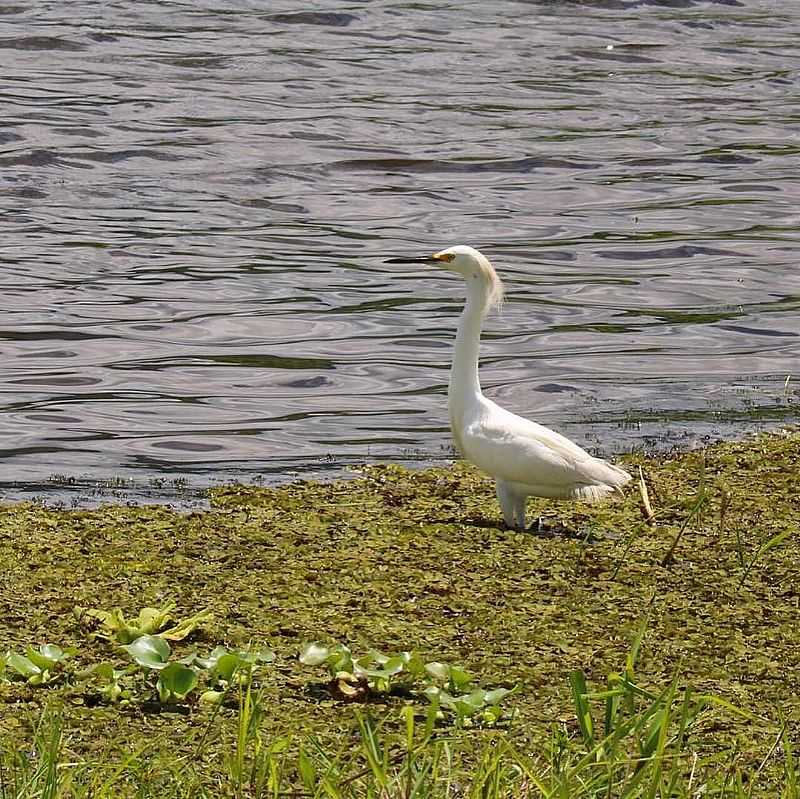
(542,527)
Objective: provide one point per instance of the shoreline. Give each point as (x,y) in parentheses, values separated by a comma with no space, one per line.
(187,489)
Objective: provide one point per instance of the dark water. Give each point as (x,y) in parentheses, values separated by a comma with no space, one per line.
(197,200)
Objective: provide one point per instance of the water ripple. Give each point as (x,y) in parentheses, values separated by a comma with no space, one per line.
(198,204)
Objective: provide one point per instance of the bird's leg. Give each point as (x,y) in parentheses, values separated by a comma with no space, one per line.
(506,498)
(520,500)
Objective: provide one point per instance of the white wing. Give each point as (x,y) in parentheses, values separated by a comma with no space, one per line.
(517,450)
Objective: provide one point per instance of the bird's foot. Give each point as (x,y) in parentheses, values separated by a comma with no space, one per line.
(538,525)
(548,526)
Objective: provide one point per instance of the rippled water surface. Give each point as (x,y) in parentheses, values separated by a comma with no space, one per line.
(197,202)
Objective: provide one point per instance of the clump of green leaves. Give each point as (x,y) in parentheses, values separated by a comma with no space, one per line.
(454,690)
(41,666)
(153,667)
(451,690)
(111,625)
(354,679)
(177,678)
(228,668)
(110,681)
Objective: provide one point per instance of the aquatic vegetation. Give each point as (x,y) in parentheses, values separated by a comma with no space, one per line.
(400,560)
(112,624)
(381,673)
(40,666)
(109,681)
(176,679)
(448,688)
(175,682)
(650,743)
(228,669)
(475,705)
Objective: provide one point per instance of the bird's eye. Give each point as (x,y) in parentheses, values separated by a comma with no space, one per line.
(444,256)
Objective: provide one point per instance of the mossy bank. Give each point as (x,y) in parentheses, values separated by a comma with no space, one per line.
(400,559)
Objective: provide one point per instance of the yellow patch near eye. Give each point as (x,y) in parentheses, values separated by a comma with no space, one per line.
(444,256)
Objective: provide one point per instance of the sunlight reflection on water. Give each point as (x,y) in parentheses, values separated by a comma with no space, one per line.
(198,205)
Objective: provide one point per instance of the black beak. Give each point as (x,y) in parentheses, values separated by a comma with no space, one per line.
(419,259)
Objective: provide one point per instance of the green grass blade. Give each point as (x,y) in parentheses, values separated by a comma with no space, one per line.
(773,542)
(577,682)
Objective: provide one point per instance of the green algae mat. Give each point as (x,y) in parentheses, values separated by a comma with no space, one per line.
(397,560)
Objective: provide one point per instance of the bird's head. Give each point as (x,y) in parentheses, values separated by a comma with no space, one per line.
(468,262)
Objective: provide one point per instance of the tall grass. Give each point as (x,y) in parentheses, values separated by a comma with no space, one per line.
(626,742)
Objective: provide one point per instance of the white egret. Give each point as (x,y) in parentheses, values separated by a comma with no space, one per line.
(525,458)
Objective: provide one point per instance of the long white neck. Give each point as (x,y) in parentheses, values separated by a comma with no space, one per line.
(464,390)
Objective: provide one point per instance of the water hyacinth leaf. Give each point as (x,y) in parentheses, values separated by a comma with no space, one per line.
(112,621)
(55,652)
(262,656)
(22,665)
(378,679)
(228,664)
(459,678)
(374,656)
(151,620)
(113,691)
(224,664)
(340,659)
(378,674)
(47,655)
(186,626)
(433,693)
(337,658)
(464,709)
(212,697)
(213,657)
(439,671)
(351,666)
(265,656)
(497,695)
(466,705)
(41,661)
(108,677)
(150,651)
(442,698)
(115,622)
(476,698)
(394,665)
(314,654)
(175,681)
